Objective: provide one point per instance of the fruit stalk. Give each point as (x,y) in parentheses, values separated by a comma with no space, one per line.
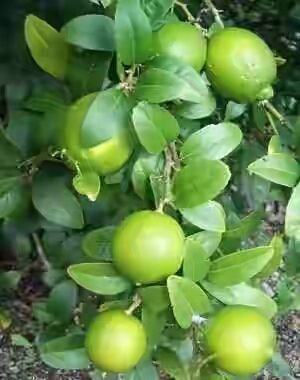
(135,304)
(215,12)
(185,9)
(169,164)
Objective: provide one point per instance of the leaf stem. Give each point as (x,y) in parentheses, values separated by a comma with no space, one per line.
(201,363)
(272,123)
(40,251)
(215,12)
(135,304)
(273,111)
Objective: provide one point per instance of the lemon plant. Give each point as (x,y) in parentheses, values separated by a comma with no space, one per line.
(145,180)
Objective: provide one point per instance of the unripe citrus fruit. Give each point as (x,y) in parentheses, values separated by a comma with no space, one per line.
(148,247)
(241,338)
(115,341)
(181,40)
(105,158)
(240,65)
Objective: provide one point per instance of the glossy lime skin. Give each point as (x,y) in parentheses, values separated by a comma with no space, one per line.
(182,40)
(242,339)
(240,65)
(148,246)
(104,158)
(115,341)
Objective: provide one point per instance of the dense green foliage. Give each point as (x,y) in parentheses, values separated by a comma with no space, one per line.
(95,127)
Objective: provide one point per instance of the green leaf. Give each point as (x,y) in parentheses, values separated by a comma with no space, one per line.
(9,280)
(20,341)
(11,201)
(169,79)
(62,301)
(155,298)
(195,264)
(92,32)
(208,216)
(5,320)
(242,294)
(280,168)
(112,107)
(99,278)
(199,182)
(144,370)
(239,266)
(67,352)
(133,32)
(234,110)
(155,126)
(212,142)
(200,110)
(246,226)
(154,324)
(145,166)
(292,218)
(97,243)
(207,240)
(87,183)
(10,155)
(275,145)
(278,248)
(157,11)
(47,46)
(55,202)
(280,368)
(171,364)
(187,300)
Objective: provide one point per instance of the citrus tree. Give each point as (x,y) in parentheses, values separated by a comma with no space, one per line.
(142,186)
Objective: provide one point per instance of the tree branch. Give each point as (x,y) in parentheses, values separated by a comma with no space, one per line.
(215,12)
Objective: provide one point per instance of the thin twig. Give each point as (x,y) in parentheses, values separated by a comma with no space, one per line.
(273,111)
(40,251)
(135,304)
(271,121)
(166,178)
(185,9)
(215,12)
(175,156)
(202,363)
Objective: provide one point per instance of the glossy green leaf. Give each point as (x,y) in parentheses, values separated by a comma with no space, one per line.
(145,166)
(187,300)
(47,46)
(239,266)
(195,264)
(234,110)
(99,278)
(278,251)
(155,126)
(155,298)
(171,364)
(154,324)
(157,11)
(246,226)
(199,182)
(208,216)
(133,32)
(97,243)
(275,145)
(207,240)
(212,142)
(242,294)
(280,168)
(87,183)
(67,352)
(167,78)
(10,155)
(92,32)
(56,203)
(62,301)
(292,218)
(200,110)
(112,107)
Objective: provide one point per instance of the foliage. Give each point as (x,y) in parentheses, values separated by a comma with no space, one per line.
(210,163)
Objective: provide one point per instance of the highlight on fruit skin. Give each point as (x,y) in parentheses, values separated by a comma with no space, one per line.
(148,246)
(240,65)
(104,158)
(115,341)
(241,340)
(181,40)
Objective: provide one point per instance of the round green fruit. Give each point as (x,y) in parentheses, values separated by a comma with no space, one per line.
(105,158)
(182,40)
(242,340)
(148,246)
(240,65)
(116,341)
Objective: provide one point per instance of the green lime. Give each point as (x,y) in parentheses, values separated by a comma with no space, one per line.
(241,338)
(148,246)
(240,65)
